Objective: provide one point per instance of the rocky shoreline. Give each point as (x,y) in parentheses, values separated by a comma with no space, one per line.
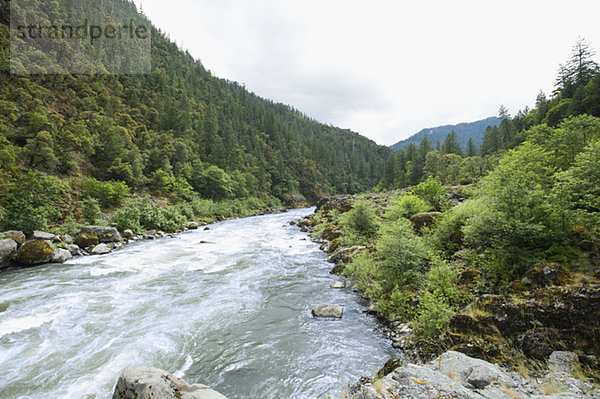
(18,250)
(554,316)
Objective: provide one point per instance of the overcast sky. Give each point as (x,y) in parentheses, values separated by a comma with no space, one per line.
(384,68)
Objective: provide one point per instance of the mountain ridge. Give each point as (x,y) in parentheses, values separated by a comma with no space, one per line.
(464,131)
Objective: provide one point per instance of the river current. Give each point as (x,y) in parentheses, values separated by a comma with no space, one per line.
(227,307)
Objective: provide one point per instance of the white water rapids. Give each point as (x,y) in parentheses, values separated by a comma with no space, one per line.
(232,313)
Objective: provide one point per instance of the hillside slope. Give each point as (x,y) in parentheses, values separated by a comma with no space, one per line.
(179,126)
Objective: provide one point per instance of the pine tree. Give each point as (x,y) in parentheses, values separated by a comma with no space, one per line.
(471,149)
(451,145)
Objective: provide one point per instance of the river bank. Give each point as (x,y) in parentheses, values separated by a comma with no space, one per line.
(549,309)
(18,249)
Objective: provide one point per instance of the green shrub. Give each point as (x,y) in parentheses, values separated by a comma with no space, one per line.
(361,219)
(90,210)
(403,254)
(406,206)
(434,316)
(362,271)
(32,202)
(70,226)
(127,217)
(108,194)
(433,192)
(447,234)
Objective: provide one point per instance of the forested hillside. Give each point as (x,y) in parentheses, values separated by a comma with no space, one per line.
(71,143)
(473,131)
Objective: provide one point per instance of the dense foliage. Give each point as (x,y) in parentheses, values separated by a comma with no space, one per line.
(177,133)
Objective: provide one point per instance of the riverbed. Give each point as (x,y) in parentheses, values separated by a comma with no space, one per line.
(228,307)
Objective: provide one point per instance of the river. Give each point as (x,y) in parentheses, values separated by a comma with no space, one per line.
(228,307)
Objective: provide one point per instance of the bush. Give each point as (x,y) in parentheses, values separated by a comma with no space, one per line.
(32,202)
(127,217)
(403,254)
(362,271)
(361,219)
(90,210)
(447,234)
(433,192)
(434,316)
(406,206)
(108,194)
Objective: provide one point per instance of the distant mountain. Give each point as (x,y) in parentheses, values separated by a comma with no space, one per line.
(464,131)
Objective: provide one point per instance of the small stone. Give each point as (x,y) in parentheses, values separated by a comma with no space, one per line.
(74,250)
(127,234)
(101,249)
(61,255)
(67,239)
(206,228)
(192,225)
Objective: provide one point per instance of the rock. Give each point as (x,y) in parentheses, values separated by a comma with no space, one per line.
(452,375)
(34,252)
(101,249)
(61,255)
(149,382)
(86,239)
(331,232)
(345,255)
(8,249)
(545,274)
(412,381)
(206,228)
(41,235)
(192,225)
(295,200)
(586,245)
(564,362)
(328,310)
(16,236)
(150,235)
(74,250)
(425,219)
(105,233)
(338,284)
(67,239)
(127,234)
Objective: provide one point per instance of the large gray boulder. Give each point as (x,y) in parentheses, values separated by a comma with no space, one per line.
(8,249)
(105,233)
(149,382)
(17,236)
(61,255)
(328,310)
(74,250)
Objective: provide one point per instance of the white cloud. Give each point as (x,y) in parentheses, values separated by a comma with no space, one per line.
(385,68)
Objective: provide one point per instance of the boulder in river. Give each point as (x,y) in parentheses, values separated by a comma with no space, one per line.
(328,310)
(86,239)
(34,252)
(61,255)
(8,248)
(192,225)
(149,382)
(105,233)
(338,284)
(101,249)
